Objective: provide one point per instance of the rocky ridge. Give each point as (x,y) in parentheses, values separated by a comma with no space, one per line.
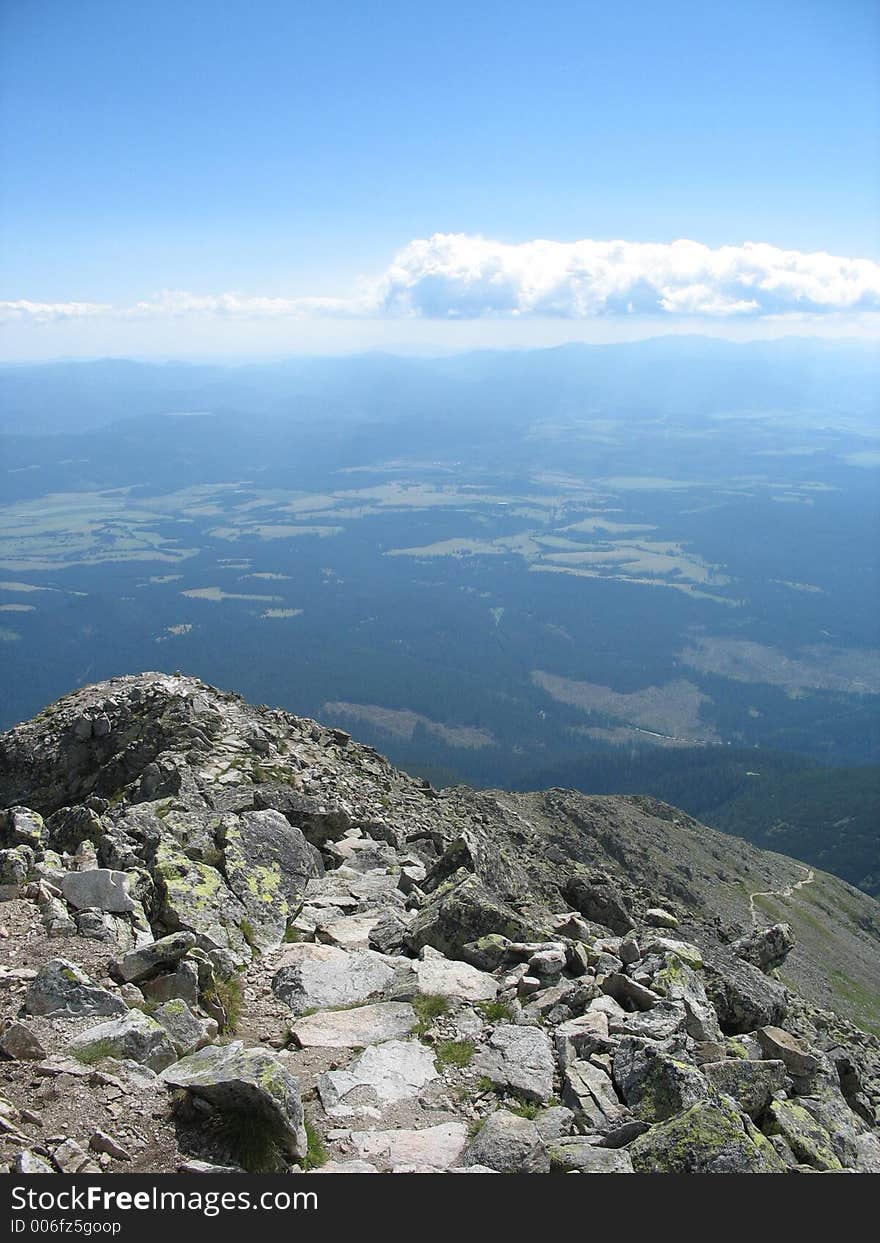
(232,938)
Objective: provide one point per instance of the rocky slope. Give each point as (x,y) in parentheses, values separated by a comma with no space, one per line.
(233,938)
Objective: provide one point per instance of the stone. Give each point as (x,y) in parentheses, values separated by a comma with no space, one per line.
(181,984)
(458,981)
(388,933)
(508,1144)
(238,1080)
(579,1037)
(654,1084)
(628,992)
(62,988)
(598,899)
(28,1162)
(488,952)
(659,917)
(135,1036)
(577,1155)
(16,865)
(554,1122)
(679,982)
(72,1159)
(346,1167)
(629,951)
(320,976)
(148,960)
(520,1059)
(102,1142)
(434,1147)
(100,888)
(776,1043)
(349,932)
(589,1092)
(20,826)
(463,913)
(708,1138)
(21,1044)
(766,948)
(186,1030)
(743,997)
(268,864)
(808,1140)
(751,1084)
(355,1028)
(194,897)
(379,1076)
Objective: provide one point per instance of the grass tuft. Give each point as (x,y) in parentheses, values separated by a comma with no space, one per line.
(455,1052)
(428,1007)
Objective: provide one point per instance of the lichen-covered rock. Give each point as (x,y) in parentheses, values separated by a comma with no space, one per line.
(186,1030)
(16,865)
(751,1084)
(679,982)
(267,864)
(147,961)
(655,1084)
(599,899)
(708,1138)
(63,988)
(519,1058)
(240,1080)
(766,948)
(195,898)
(461,912)
(808,1140)
(744,998)
(135,1037)
(577,1154)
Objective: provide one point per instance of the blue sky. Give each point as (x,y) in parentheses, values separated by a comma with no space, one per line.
(282,151)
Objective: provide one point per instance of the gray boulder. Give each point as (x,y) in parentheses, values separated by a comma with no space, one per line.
(578,1155)
(744,998)
(134,1037)
(464,912)
(508,1144)
(708,1138)
(149,960)
(251,1081)
(186,1030)
(62,988)
(654,1084)
(766,948)
(601,901)
(100,888)
(319,976)
(268,864)
(751,1084)
(520,1058)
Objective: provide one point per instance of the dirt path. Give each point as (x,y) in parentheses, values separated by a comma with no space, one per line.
(807,879)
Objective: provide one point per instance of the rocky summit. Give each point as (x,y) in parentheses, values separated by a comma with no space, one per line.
(233,939)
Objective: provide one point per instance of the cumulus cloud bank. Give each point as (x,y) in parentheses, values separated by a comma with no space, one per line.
(452,274)
(458,276)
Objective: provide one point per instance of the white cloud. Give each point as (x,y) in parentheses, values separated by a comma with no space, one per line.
(456,276)
(46,312)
